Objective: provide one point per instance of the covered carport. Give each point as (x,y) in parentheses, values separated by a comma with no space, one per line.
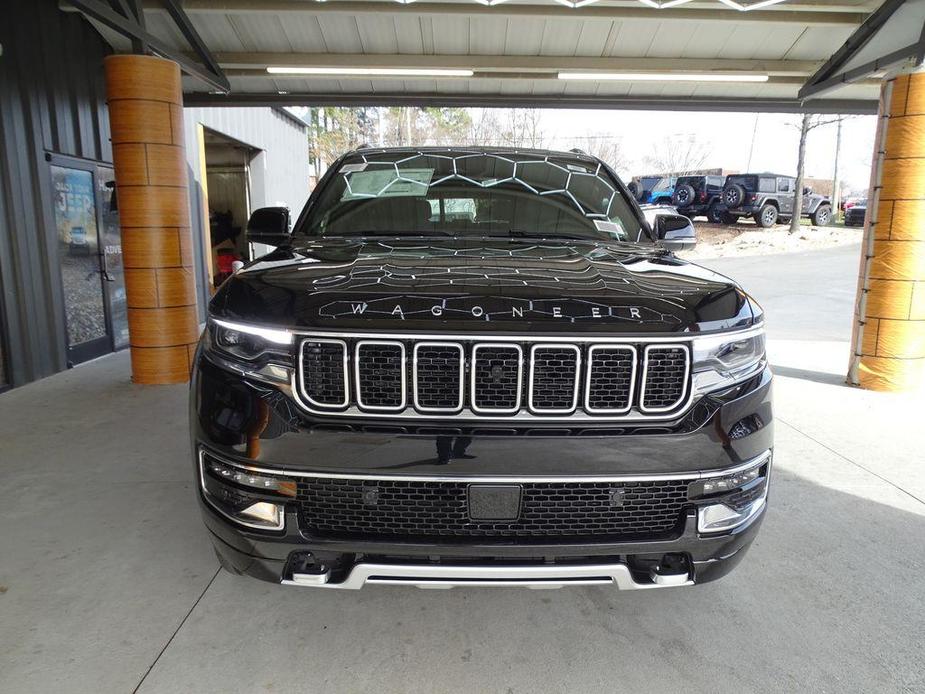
(764,56)
(107,581)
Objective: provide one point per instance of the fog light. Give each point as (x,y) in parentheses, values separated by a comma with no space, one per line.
(241,495)
(265,512)
(718,518)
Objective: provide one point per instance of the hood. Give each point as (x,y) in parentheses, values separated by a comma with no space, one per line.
(466,284)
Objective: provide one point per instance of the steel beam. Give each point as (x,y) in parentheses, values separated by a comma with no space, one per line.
(132,29)
(841,106)
(549,10)
(831,75)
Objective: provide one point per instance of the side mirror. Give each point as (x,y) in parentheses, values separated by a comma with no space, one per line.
(675,231)
(269,225)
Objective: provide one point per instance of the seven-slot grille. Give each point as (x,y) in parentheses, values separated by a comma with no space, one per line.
(388,376)
(395,508)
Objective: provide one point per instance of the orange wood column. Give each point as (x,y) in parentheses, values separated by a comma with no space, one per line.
(889,332)
(146,120)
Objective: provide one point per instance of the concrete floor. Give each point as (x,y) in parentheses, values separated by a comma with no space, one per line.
(108,583)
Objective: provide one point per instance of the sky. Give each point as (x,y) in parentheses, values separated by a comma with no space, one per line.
(729,138)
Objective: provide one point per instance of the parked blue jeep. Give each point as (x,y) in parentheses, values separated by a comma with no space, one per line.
(653,190)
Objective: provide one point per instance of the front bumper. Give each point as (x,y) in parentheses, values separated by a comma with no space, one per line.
(256,425)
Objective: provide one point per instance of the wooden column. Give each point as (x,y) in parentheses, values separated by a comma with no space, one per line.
(889,332)
(146,120)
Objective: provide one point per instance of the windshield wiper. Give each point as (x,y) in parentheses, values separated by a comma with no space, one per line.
(520,234)
(385,232)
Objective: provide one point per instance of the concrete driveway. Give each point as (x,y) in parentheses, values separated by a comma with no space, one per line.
(108,583)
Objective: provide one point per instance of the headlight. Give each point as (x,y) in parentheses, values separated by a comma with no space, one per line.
(248,342)
(723,360)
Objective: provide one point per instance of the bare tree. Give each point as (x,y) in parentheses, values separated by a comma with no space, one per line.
(678,154)
(607,148)
(808,123)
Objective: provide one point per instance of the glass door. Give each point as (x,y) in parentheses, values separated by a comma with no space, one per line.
(81,259)
(111,242)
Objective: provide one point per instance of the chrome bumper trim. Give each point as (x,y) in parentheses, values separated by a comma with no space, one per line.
(499,479)
(437,576)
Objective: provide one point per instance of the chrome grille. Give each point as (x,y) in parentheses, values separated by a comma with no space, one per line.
(664,378)
(497,378)
(554,372)
(380,375)
(611,378)
(523,379)
(439,375)
(324,372)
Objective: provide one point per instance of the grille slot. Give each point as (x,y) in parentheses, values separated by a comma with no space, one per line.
(611,379)
(439,374)
(665,375)
(396,508)
(554,372)
(380,375)
(497,378)
(324,372)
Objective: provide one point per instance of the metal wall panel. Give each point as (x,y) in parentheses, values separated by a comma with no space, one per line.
(52,99)
(279,174)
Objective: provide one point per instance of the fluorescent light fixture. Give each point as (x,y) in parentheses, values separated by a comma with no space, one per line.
(752,6)
(490,3)
(660,5)
(369,71)
(576,3)
(662,77)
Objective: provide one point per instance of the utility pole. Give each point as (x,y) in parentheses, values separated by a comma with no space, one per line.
(751,148)
(836,184)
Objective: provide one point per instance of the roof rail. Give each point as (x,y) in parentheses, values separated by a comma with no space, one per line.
(578,150)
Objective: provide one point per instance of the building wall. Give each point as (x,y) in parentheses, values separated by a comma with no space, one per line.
(52,100)
(279,173)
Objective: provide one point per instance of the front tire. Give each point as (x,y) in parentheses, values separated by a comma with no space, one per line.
(714,215)
(822,215)
(766,217)
(728,218)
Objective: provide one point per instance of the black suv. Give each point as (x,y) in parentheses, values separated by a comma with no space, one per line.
(768,198)
(479,367)
(696,196)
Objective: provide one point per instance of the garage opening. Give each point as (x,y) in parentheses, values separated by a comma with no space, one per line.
(228,202)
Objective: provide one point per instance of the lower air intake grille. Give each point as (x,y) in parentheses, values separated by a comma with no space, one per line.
(665,377)
(396,508)
(323,377)
(381,375)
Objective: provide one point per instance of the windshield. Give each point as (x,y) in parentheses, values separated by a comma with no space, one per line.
(468,193)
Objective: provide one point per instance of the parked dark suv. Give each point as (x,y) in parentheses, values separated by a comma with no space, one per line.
(696,196)
(768,199)
(479,367)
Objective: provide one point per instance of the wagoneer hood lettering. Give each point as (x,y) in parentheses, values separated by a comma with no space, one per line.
(498,283)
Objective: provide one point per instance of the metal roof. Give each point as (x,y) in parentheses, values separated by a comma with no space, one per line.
(516,51)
